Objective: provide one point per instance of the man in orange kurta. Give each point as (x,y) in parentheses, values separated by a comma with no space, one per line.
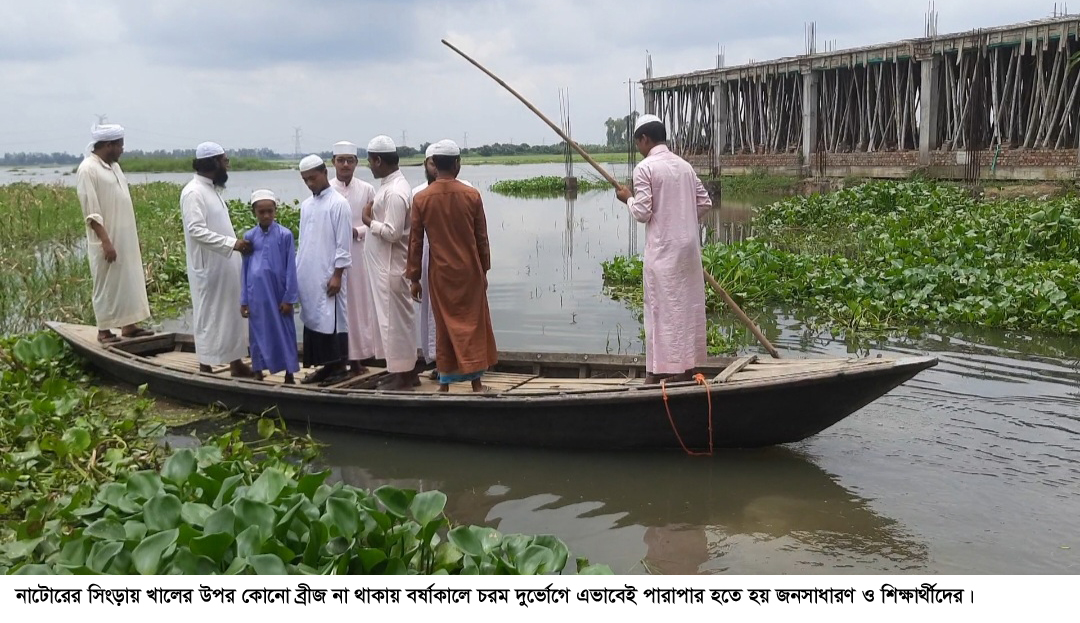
(451,214)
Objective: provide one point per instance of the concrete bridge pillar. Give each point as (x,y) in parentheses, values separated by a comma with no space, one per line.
(929,107)
(811,82)
(721,124)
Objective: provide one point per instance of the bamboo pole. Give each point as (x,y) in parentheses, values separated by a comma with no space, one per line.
(611,179)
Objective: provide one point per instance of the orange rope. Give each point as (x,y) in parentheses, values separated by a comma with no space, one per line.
(700,378)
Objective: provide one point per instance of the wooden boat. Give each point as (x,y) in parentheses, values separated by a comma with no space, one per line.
(594,402)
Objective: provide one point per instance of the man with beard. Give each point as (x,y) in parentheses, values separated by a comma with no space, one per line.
(112,240)
(385,254)
(221,334)
(324,255)
(359,308)
(426,317)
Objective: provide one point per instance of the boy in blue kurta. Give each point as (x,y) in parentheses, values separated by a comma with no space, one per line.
(269,291)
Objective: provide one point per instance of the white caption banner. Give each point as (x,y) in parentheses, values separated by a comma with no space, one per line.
(283,599)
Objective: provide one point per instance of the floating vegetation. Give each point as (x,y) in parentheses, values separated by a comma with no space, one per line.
(85,487)
(546,186)
(889,256)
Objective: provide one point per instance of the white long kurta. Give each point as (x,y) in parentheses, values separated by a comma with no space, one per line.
(671,200)
(119,287)
(360,309)
(213,269)
(386,253)
(426,316)
(325,245)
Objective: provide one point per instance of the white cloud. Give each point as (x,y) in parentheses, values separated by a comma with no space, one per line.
(244,73)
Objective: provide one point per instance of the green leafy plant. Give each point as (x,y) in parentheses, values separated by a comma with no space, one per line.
(201,514)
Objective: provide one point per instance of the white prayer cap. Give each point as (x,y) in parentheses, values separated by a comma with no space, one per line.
(382,144)
(344,148)
(446,147)
(208,150)
(430,151)
(107,132)
(263,195)
(310,162)
(643,119)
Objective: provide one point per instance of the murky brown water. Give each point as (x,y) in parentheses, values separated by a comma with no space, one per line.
(972,467)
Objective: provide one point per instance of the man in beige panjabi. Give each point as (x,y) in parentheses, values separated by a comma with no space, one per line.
(112,240)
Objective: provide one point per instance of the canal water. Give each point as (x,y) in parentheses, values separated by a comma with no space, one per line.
(971,467)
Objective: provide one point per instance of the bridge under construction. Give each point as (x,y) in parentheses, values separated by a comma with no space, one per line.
(996,102)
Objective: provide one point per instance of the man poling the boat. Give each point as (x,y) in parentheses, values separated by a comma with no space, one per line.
(607,176)
(669,198)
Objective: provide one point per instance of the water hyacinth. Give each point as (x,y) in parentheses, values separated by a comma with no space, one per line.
(893,255)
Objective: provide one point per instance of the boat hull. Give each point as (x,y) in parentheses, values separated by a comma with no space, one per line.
(742,415)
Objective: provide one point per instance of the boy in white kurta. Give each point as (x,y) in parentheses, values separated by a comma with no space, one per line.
(324,255)
(112,240)
(670,199)
(213,269)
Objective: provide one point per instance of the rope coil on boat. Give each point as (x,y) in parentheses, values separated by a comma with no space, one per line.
(700,379)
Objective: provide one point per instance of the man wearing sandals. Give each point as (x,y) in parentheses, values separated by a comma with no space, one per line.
(213,269)
(112,240)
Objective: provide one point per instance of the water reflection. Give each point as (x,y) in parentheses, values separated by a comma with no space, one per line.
(655,512)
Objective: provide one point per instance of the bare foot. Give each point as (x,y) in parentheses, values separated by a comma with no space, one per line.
(444,389)
(258,376)
(654,379)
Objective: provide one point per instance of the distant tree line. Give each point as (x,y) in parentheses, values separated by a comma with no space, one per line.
(617,142)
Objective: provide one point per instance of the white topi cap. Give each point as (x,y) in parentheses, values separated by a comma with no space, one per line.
(310,162)
(445,147)
(643,119)
(344,148)
(381,144)
(430,151)
(208,150)
(263,195)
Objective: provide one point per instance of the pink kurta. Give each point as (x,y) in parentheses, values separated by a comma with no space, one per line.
(671,201)
(359,306)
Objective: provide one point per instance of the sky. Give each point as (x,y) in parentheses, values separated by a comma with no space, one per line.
(246,73)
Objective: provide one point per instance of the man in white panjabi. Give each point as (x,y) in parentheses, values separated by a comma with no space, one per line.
(385,255)
(213,269)
(425,316)
(359,308)
(324,255)
(670,199)
(112,239)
